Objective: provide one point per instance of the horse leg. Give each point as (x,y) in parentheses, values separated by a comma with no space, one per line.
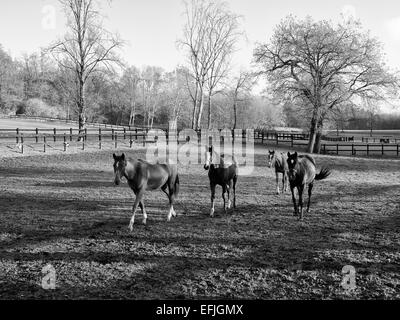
(141,205)
(212,200)
(277,182)
(224,190)
(310,188)
(294,201)
(284,181)
(301,189)
(172,212)
(229,194)
(138,199)
(234,192)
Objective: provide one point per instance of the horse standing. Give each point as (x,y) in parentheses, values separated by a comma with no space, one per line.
(278,161)
(302,173)
(224,174)
(142,176)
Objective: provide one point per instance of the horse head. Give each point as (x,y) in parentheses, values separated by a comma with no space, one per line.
(209,153)
(119,168)
(271,156)
(293,162)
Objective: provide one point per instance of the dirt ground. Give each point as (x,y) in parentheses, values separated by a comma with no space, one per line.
(63,209)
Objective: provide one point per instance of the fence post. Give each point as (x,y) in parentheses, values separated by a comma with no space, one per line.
(116,140)
(136,133)
(22,143)
(367,149)
(277,139)
(383,153)
(70,134)
(112,134)
(397,150)
(55,135)
(324,148)
(124,134)
(262,138)
(37,135)
(44,144)
(85,134)
(352,149)
(17,135)
(291,140)
(130,139)
(65,142)
(100,138)
(337,149)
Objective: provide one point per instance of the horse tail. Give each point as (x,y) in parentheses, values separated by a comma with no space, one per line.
(176,185)
(325,173)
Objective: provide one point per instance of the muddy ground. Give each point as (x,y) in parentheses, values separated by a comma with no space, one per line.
(63,210)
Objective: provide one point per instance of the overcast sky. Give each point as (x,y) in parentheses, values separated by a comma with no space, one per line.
(151,27)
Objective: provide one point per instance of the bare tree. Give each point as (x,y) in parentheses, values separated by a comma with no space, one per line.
(243,85)
(322,66)
(130,84)
(210,34)
(86,48)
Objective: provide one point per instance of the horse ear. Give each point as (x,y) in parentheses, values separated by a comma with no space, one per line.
(123,157)
(288,154)
(295,154)
(114,156)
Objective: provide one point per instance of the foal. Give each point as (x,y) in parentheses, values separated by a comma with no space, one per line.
(279,162)
(224,174)
(302,173)
(142,176)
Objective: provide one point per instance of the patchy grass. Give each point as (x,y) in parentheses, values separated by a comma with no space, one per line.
(63,209)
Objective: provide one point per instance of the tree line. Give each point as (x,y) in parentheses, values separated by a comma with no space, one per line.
(320,75)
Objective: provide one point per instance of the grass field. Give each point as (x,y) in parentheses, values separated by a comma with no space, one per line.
(63,209)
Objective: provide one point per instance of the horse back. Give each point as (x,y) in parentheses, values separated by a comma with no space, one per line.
(281,164)
(308,170)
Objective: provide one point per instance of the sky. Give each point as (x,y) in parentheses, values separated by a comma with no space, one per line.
(151,28)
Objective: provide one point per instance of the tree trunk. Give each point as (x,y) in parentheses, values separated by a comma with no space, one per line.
(318,138)
(235,113)
(195,109)
(132,115)
(313,134)
(81,109)
(200,114)
(209,110)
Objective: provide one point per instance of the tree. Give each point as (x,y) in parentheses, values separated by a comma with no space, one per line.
(209,36)
(85,49)
(243,85)
(322,66)
(130,84)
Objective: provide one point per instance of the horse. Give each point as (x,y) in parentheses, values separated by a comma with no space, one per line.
(302,173)
(279,162)
(225,174)
(143,176)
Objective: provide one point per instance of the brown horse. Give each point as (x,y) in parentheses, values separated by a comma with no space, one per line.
(142,176)
(224,173)
(302,173)
(278,161)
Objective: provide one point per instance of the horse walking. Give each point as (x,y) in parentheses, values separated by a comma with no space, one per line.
(143,176)
(278,161)
(302,173)
(225,174)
